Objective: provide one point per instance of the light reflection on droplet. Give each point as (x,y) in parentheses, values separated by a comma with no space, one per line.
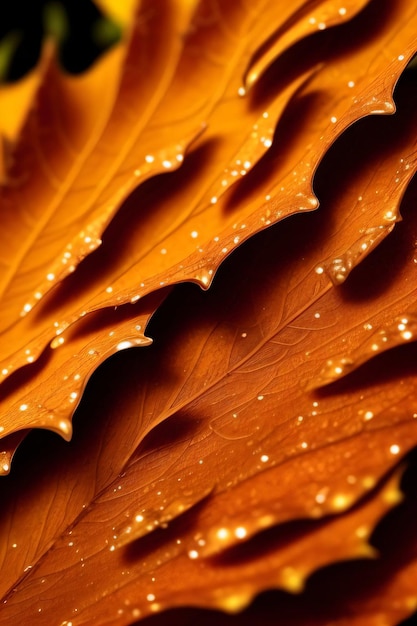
(340,501)
(321,495)
(65,426)
(123,345)
(240,532)
(193,554)
(368,482)
(222,533)
(292,580)
(362,532)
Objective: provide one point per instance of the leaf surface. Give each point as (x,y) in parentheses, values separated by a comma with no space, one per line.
(231,351)
(163,245)
(15,103)
(215,465)
(71,151)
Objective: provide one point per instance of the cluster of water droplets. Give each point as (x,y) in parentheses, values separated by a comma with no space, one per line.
(402,330)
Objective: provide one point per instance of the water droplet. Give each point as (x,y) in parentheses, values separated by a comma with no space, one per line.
(240,532)
(321,495)
(65,427)
(55,343)
(193,554)
(291,579)
(368,482)
(341,501)
(222,534)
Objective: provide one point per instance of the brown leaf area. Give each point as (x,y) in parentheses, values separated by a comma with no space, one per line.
(256,461)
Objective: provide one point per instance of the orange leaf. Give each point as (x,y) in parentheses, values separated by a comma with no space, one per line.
(231,351)
(214,465)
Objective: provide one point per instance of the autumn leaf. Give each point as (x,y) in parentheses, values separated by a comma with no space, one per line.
(196,431)
(265,439)
(165,246)
(150,480)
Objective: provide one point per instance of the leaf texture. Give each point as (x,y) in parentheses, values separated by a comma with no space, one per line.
(235,477)
(165,246)
(261,442)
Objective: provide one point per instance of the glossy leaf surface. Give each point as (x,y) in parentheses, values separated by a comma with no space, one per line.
(259,443)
